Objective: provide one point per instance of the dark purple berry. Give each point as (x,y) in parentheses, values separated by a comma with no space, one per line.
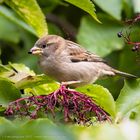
(119,34)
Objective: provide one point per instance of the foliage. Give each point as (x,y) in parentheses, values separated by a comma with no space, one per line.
(30,12)
(130,91)
(101,96)
(107,7)
(22,22)
(86,5)
(108,30)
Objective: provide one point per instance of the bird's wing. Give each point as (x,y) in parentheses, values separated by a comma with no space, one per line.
(77,53)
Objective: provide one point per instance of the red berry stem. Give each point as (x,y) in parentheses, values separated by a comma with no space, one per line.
(74,105)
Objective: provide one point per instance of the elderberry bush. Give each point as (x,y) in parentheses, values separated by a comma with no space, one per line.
(75,106)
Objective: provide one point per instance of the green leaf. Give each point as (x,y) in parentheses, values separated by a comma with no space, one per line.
(113,84)
(10,15)
(40,121)
(31,13)
(47,130)
(3,68)
(23,78)
(101,96)
(6,72)
(100,38)
(5,122)
(43,89)
(85,5)
(8,92)
(15,72)
(112,7)
(129,97)
(32,81)
(44,129)
(21,68)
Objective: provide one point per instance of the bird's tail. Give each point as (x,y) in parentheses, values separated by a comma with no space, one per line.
(127,75)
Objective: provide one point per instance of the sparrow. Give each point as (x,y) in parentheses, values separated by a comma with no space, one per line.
(69,63)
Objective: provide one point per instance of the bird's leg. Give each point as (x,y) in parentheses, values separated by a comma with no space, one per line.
(70,83)
(66,84)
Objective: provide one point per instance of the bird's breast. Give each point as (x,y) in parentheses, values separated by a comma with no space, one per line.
(53,67)
(67,71)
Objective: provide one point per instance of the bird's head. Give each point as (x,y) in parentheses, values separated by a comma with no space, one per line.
(47,45)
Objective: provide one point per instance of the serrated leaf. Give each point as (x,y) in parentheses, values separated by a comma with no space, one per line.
(101,96)
(100,38)
(112,7)
(129,97)
(31,13)
(8,92)
(86,5)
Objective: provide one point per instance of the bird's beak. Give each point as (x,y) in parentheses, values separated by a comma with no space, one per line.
(36,50)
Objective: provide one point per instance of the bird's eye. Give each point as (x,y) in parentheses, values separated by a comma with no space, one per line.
(44,46)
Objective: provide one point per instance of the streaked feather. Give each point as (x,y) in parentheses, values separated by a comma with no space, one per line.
(77,53)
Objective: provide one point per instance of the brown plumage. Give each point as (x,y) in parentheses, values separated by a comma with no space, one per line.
(80,54)
(68,62)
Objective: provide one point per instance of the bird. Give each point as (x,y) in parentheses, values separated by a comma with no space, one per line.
(69,63)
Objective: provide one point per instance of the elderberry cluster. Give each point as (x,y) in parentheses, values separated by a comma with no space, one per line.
(75,106)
